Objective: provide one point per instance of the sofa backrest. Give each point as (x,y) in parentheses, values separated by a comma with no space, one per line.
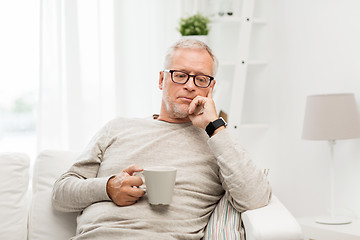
(44,222)
(14,181)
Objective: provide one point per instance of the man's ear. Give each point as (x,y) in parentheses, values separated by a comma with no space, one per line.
(161,80)
(213,84)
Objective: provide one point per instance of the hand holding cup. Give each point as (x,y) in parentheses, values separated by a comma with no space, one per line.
(122,187)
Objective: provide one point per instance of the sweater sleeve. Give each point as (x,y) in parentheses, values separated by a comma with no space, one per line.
(245,185)
(79,187)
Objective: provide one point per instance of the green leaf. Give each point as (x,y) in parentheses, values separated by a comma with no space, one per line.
(194,25)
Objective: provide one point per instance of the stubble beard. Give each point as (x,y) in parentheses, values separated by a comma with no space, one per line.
(174,109)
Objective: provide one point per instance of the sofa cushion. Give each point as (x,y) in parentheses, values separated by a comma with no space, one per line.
(44,222)
(224,223)
(14,181)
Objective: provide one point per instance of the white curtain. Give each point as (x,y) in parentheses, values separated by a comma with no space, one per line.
(99,59)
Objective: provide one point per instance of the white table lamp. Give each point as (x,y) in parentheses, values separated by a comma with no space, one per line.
(331,117)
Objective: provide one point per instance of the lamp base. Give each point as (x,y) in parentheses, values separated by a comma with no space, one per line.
(333,220)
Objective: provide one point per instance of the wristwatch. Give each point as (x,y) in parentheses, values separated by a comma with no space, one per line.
(212,126)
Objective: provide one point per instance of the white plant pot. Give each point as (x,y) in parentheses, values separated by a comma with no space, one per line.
(203,38)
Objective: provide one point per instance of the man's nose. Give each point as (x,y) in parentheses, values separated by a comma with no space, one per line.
(190,85)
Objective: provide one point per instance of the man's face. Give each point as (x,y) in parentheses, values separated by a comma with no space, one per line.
(177,97)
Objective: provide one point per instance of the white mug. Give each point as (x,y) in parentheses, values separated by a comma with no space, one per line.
(160,182)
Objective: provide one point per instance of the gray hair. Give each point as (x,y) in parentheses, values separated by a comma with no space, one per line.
(192,44)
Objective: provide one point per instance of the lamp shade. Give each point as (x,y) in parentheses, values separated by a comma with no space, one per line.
(331,117)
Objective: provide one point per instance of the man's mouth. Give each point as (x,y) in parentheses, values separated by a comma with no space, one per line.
(186,99)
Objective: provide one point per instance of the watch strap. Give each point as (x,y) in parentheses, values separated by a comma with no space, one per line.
(212,126)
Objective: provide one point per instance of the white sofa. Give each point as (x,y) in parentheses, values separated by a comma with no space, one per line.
(27,213)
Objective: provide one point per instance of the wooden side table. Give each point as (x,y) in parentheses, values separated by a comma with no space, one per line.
(316,231)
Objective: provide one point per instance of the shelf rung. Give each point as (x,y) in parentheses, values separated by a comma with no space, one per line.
(226,19)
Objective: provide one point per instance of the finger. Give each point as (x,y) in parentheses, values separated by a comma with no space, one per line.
(198,110)
(136,192)
(132,194)
(194,105)
(133,168)
(133,181)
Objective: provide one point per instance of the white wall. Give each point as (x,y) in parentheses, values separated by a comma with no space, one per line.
(142,37)
(315,49)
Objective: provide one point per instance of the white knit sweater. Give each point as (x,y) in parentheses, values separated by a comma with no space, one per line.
(206,169)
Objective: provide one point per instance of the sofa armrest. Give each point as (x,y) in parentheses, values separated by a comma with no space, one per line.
(273,222)
(44,222)
(14,181)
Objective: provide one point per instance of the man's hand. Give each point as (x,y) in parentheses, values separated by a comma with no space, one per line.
(202,110)
(120,188)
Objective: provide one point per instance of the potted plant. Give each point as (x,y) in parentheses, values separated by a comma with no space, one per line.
(195,26)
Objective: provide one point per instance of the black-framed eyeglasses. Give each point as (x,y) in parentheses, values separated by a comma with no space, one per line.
(181,77)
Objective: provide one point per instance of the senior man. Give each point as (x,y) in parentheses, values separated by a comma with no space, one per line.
(187,135)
